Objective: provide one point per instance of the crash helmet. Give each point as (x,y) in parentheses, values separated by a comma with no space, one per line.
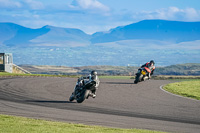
(93,72)
(152,62)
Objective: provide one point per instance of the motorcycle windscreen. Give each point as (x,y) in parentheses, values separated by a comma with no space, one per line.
(90,84)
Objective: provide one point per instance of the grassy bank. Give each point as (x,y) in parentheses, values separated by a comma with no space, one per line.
(157,77)
(116,77)
(5,74)
(189,89)
(172,77)
(13,124)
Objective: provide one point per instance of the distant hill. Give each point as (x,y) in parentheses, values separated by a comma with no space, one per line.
(167,42)
(62,37)
(170,31)
(180,69)
(15,35)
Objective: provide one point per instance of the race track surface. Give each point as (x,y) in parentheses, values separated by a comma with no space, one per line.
(119,103)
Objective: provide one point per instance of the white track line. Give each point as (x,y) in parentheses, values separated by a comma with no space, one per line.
(161,87)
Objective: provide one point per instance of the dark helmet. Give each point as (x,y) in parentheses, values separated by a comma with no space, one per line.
(93,73)
(152,62)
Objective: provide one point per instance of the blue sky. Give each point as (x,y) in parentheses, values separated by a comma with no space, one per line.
(95,15)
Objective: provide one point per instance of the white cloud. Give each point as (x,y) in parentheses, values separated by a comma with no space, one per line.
(33,4)
(92,5)
(94,15)
(171,13)
(192,14)
(10,4)
(25,4)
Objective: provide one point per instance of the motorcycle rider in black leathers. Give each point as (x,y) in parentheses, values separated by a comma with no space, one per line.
(87,79)
(151,66)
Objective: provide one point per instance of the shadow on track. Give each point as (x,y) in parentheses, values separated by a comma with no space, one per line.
(117,83)
(42,101)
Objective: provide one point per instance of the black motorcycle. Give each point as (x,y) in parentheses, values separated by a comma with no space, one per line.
(142,74)
(83,92)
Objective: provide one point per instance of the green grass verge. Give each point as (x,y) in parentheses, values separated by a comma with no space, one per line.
(160,77)
(5,74)
(116,77)
(174,77)
(13,124)
(189,89)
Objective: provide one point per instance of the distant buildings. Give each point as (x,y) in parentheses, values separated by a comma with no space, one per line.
(6,62)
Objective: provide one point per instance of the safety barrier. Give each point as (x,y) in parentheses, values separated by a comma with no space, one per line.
(21,69)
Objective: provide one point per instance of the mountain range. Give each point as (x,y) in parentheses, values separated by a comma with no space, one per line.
(15,35)
(167,42)
(169,31)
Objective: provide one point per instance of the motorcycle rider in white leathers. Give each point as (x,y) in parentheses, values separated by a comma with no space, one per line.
(85,80)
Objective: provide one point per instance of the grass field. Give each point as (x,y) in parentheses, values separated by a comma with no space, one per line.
(189,89)
(5,74)
(116,77)
(13,124)
(157,77)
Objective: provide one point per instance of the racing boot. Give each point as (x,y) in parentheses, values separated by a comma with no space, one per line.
(94,94)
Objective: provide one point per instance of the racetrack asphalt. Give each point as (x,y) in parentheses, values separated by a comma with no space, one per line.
(119,103)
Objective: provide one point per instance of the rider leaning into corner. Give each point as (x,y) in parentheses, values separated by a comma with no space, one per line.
(151,66)
(87,79)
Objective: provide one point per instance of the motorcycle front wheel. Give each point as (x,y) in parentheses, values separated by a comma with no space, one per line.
(71,98)
(82,97)
(138,78)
